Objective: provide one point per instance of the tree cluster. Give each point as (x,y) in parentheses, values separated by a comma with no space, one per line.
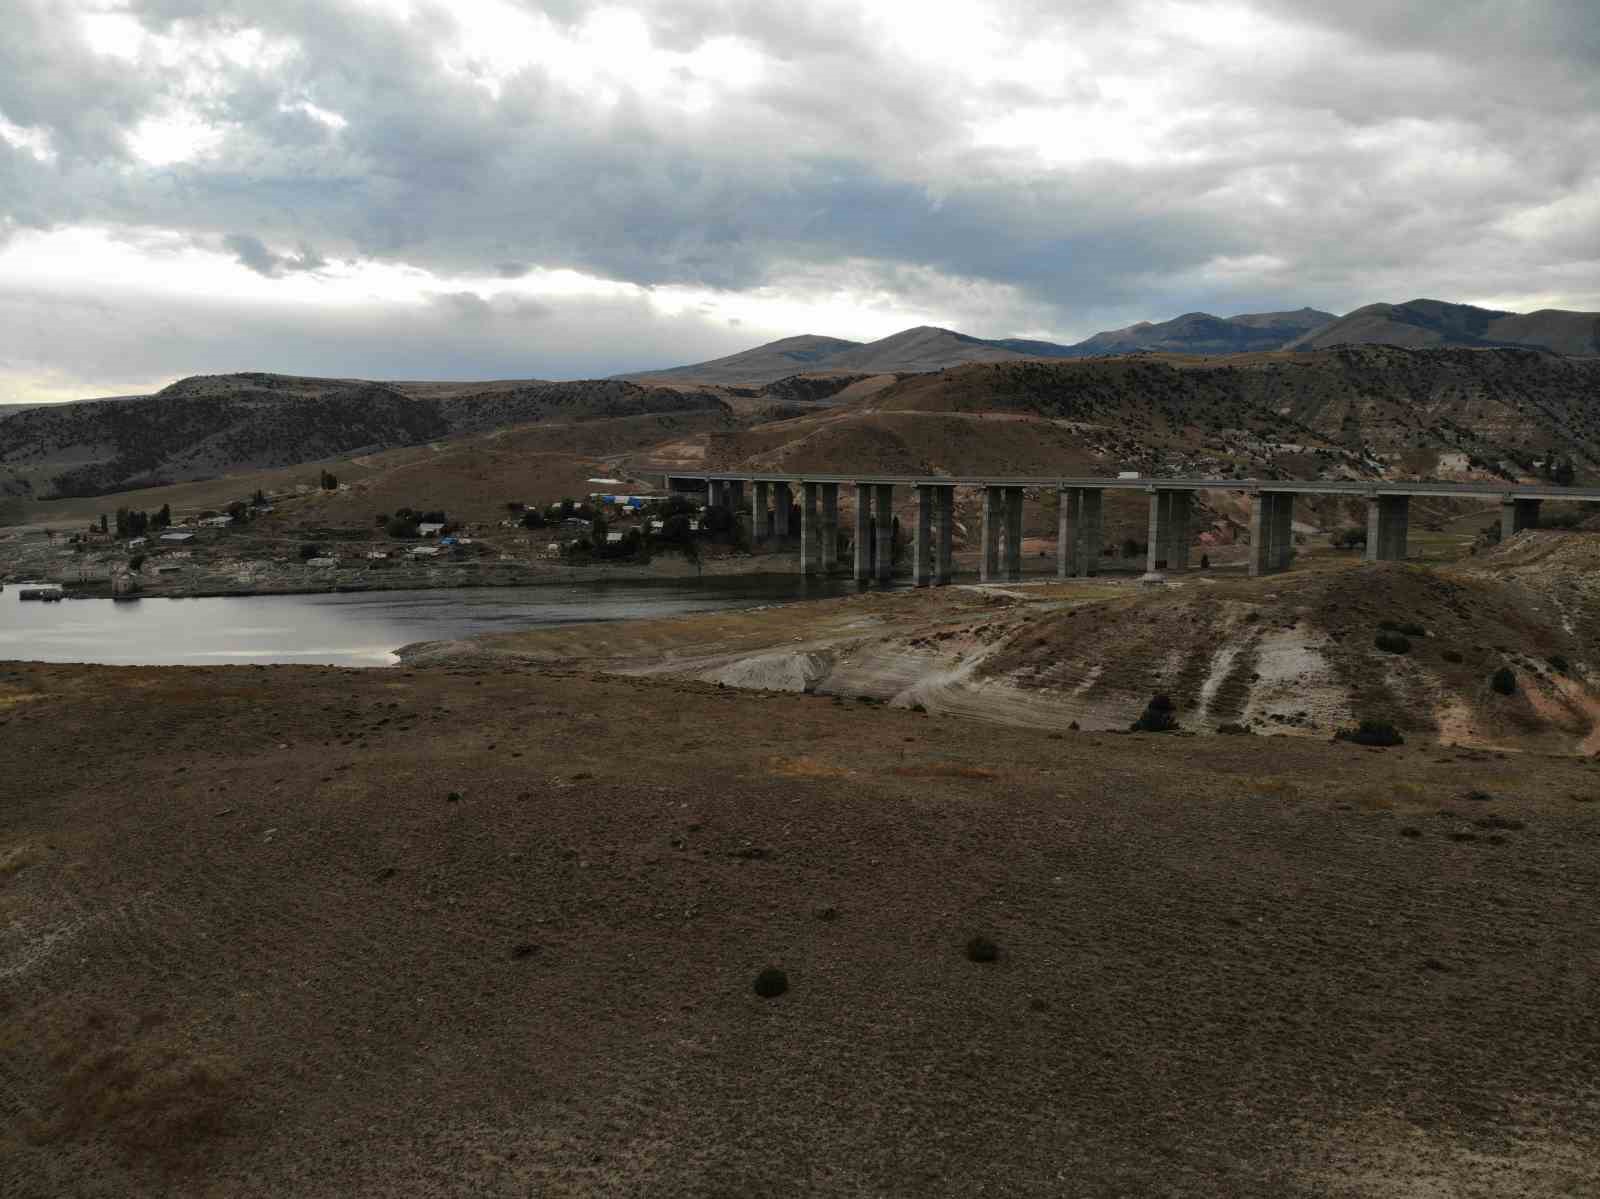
(136,522)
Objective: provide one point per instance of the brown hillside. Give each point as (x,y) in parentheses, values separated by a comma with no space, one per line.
(325,933)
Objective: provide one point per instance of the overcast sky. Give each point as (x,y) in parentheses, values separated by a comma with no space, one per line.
(505,188)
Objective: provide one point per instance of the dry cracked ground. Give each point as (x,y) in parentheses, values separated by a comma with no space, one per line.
(491,928)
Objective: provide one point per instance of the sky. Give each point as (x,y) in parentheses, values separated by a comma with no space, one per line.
(507,189)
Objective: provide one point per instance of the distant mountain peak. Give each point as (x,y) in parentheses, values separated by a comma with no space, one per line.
(1428,324)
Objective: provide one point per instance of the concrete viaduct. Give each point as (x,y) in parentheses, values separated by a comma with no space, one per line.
(1079,535)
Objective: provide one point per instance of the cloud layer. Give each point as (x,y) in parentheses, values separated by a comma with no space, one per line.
(624,176)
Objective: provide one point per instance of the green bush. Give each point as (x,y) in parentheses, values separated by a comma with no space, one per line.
(1158,716)
(1394,643)
(1558,663)
(1371,732)
(1504,681)
(771,983)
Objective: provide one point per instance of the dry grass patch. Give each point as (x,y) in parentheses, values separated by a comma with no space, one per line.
(944,770)
(805,767)
(15,858)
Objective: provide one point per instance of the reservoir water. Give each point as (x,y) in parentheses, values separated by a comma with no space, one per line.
(355,629)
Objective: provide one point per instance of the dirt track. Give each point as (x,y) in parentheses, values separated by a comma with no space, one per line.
(252,946)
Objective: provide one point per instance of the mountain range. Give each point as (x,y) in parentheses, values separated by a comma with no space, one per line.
(1417,324)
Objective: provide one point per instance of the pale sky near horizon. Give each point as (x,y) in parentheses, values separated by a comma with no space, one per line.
(504,188)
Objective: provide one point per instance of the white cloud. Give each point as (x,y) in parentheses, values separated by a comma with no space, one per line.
(1038,167)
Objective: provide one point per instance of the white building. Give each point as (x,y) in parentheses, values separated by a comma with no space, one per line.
(430,528)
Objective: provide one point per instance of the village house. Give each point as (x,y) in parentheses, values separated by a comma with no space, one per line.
(177,538)
(429,528)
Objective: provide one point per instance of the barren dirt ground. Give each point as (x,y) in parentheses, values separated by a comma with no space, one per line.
(493,930)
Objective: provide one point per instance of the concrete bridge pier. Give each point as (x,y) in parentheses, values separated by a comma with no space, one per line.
(922,561)
(1079,532)
(993,518)
(1014,534)
(810,539)
(944,563)
(1092,534)
(782,501)
(863,563)
(1271,520)
(1169,531)
(1068,517)
(1283,531)
(884,563)
(1516,515)
(1388,519)
(760,514)
(830,528)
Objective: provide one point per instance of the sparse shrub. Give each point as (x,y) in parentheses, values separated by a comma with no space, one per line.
(771,983)
(310,550)
(1234,729)
(1558,663)
(1158,717)
(1393,643)
(981,949)
(1371,732)
(1451,655)
(1407,627)
(1353,537)
(1503,681)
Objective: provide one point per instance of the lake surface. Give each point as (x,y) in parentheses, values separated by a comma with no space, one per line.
(360,629)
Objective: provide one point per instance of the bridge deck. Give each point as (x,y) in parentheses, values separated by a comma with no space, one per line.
(1490,491)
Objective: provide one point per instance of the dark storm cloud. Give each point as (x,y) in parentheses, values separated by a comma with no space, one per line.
(1332,154)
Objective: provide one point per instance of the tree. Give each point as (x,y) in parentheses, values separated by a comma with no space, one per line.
(309,550)
(259,499)
(103,528)
(532,518)
(163,518)
(239,510)
(135,562)
(1352,537)
(330,481)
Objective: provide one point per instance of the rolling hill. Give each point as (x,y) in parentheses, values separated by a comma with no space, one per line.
(211,425)
(1202,333)
(1420,324)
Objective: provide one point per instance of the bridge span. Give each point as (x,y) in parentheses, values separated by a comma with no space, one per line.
(1079,535)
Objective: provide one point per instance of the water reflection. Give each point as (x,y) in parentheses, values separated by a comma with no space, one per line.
(361,629)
